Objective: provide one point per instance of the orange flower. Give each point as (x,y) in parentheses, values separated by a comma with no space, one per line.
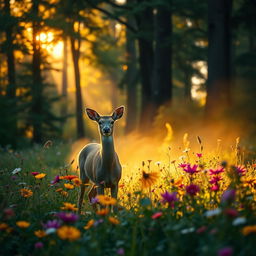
(68,233)
(89,224)
(40,233)
(68,177)
(22,224)
(114,220)
(26,192)
(69,207)
(40,176)
(106,200)
(58,190)
(248,230)
(3,226)
(68,186)
(77,182)
(148,179)
(103,212)
(64,193)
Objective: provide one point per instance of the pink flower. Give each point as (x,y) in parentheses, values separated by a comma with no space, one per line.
(68,217)
(215,179)
(201,230)
(228,196)
(192,189)
(216,171)
(226,251)
(215,187)
(56,180)
(34,173)
(120,251)
(231,212)
(169,198)
(240,170)
(156,215)
(199,155)
(182,165)
(8,213)
(39,245)
(191,169)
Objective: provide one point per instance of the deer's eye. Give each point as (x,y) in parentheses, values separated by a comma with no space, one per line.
(100,122)
(112,122)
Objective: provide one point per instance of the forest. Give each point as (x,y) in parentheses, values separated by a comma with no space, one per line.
(185,73)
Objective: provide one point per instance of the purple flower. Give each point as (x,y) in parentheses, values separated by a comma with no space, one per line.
(68,217)
(52,224)
(94,200)
(228,196)
(192,189)
(39,245)
(120,251)
(199,155)
(216,171)
(169,198)
(56,180)
(191,169)
(226,251)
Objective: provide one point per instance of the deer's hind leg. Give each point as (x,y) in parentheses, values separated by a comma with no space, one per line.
(81,195)
(92,194)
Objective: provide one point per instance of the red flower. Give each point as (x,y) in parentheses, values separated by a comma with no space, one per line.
(216,171)
(34,173)
(231,212)
(156,215)
(215,187)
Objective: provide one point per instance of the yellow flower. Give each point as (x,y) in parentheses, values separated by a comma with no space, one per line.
(3,226)
(40,176)
(22,224)
(89,224)
(69,207)
(248,230)
(68,233)
(26,192)
(77,182)
(103,212)
(113,220)
(40,233)
(68,186)
(106,200)
(148,179)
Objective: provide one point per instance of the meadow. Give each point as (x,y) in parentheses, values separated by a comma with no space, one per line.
(200,203)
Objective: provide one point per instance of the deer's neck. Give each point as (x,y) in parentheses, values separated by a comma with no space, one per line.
(108,151)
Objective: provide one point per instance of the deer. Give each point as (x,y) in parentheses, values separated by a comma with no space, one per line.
(99,163)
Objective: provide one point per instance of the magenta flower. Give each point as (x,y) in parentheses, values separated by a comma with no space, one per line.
(169,198)
(215,187)
(39,245)
(34,173)
(226,251)
(192,189)
(68,217)
(156,215)
(240,170)
(191,169)
(52,224)
(56,180)
(120,251)
(216,171)
(215,179)
(182,165)
(228,196)
(199,155)
(231,212)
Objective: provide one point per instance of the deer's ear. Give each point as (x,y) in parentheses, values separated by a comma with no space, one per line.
(92,114)
(118,113)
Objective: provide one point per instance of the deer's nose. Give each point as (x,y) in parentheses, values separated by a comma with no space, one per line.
(106,130)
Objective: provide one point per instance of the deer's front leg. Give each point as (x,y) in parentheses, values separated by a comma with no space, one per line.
(114,192)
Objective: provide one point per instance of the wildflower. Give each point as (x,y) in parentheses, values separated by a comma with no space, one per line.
(58,190)
(3,226)
(52,224)
(8,213)
(216,171)
(169,198)
(231,212)
(240,170)
(248,230)
(39,245)
(201,230)
(77,182)
(228,196)
(40,176)
(68,217)
(226,251)
(187,230)
(16,170)
(120,251)
(106,200)
(192,189)
(22,224)
(40,233)
(183,165)
(34,173)
(55,180)
(68,186)
(156,215)
(64,193)
(215,187)
(68,233)
(26,192)
(239,221)
(103,212)
(89,224)
(69,207)
(94,200)
(215,179)
(114,220)
(49,231)
(68,177)
(191,169)
(211,213)
(199,155)
(148,179)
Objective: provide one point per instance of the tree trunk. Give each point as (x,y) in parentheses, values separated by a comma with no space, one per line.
(162,73)
(219,66)
(131,75)
(37,87)
(75,49)
(64,109)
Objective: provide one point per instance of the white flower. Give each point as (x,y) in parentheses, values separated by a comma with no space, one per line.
(22,183)
(211,213)
(239,221)
(16,170)
(187,230)
(49,231)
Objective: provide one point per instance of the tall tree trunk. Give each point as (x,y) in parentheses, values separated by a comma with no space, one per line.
(11,88)
(64,108)
(131,75)
(146,58)
(162,73)
(75,49)
(187,86)
(37,87)
(219,66)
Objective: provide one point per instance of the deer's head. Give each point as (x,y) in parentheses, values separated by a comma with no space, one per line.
(106,123)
